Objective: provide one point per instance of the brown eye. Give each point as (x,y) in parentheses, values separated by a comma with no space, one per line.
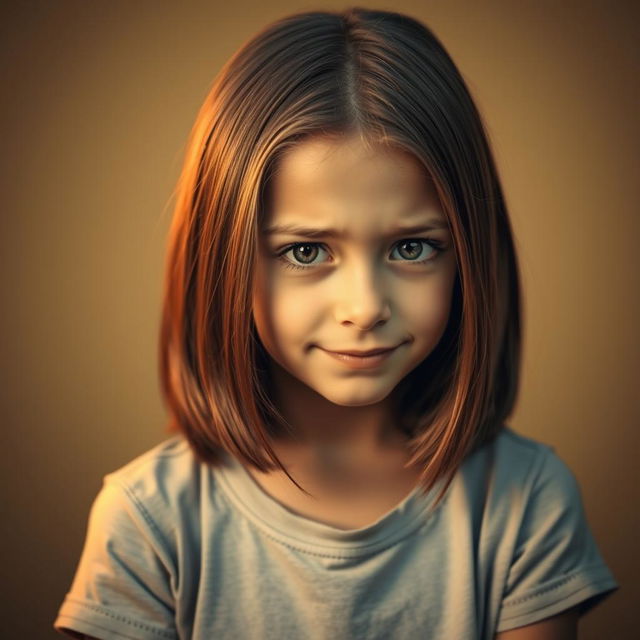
(302,255)
(305,253)
(417,250)
(410,249)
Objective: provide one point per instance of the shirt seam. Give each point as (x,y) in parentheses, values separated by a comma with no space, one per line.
(378,547)
(118,617)
(137,503)
(561,583)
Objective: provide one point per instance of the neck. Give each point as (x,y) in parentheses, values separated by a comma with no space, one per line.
(333,434)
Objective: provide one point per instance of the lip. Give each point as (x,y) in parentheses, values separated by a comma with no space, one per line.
(363,354)
(362,359)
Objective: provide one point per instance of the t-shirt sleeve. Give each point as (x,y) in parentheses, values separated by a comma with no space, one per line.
(556,563)
(122,586)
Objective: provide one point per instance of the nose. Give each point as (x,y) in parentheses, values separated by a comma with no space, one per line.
(361,299)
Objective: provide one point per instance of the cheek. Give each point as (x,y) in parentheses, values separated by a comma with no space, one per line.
(428,311)
(282,312)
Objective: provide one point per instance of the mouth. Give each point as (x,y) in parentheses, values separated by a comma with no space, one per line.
(362,359)
(362,354)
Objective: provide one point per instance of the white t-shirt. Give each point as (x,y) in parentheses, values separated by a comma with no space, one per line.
(177,549)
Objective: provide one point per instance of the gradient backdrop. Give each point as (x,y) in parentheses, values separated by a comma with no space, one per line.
(98,97)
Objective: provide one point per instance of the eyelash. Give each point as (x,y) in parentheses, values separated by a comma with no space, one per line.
(433,243)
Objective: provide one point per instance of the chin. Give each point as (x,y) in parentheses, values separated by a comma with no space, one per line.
(356,399)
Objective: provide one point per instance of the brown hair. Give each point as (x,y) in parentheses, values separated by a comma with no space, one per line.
(385,76)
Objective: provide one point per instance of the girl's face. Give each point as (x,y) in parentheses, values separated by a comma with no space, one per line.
(355,256)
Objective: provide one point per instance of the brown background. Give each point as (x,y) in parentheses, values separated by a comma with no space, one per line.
(98,99)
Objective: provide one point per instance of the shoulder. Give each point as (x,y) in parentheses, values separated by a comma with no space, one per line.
(158,489)
(513,477)
(168,467)
(518,449)
(522,461)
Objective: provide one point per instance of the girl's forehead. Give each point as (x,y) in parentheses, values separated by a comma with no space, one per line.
(346,170)
(350,190)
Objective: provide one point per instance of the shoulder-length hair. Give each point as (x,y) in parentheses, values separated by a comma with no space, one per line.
(386,77)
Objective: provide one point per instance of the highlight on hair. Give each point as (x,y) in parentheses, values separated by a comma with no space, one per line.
(386,77)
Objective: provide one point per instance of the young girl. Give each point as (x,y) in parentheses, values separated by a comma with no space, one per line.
(340,349)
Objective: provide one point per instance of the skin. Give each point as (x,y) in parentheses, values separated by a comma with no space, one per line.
(361,290)
(563,626)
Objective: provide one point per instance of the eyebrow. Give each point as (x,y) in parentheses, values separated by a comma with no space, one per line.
(308,232)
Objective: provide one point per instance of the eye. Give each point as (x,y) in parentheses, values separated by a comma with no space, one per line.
(303,255)
(417,250)
(307,255)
